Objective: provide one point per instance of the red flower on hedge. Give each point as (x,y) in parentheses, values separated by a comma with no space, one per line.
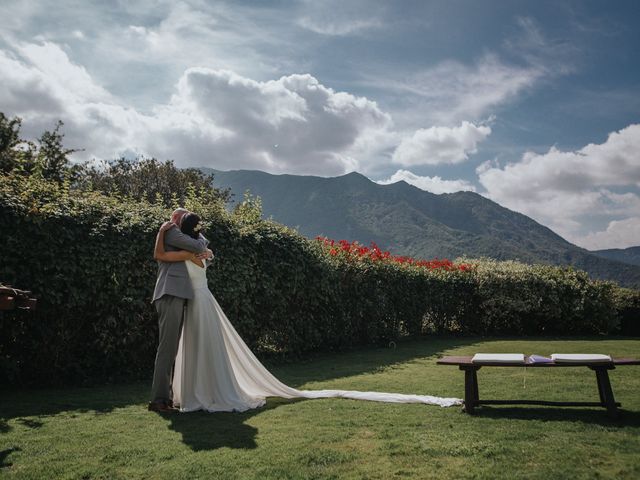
(355,251)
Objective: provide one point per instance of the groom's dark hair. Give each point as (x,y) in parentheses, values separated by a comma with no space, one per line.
(189,223)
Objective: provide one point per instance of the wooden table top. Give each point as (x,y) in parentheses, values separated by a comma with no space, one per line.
(466,361)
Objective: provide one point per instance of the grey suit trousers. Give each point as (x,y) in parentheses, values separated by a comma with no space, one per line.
(170,316)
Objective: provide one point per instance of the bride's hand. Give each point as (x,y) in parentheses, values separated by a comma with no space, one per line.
(207,254)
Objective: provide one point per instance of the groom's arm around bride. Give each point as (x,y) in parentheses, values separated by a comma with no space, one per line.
(173,277)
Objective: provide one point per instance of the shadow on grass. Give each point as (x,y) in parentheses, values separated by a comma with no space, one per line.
(4,454)
(4,427)
(210,431)
(21,405)
(599,416)
(27,422)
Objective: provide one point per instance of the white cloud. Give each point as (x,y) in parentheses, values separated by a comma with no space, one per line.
(138,30)
(138,49)
(612,163)
(433,184)
(51,63)
(214,118)
(548,55)
(618,234)
(41,85)
(452,91)
(316,129)
(338,27)
(566,189)
(339,18)
(441,145)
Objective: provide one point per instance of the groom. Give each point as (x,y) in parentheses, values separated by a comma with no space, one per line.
(173,288)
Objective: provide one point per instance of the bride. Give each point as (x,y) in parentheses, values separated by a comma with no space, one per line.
(215,371)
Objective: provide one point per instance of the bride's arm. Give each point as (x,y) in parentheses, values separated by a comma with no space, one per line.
(160,254)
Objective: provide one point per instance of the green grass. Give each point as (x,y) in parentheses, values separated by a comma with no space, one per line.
(106,432)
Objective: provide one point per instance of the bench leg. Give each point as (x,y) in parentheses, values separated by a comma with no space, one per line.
(470,389)
(606,393)
(476,393)
(600,389)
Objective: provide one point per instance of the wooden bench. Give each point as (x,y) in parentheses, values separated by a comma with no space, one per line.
(601,369)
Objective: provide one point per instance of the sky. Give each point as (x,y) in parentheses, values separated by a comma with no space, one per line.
(535,105)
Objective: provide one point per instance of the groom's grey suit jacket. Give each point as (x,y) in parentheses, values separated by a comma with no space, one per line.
(173,277)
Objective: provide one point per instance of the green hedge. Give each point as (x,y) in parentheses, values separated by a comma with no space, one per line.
(628,307)
(88,258)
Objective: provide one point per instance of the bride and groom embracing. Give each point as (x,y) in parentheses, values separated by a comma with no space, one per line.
(202,363)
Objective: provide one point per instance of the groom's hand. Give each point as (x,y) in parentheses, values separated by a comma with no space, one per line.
(167,226)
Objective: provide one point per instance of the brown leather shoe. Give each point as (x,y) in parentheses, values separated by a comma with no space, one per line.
(161,407)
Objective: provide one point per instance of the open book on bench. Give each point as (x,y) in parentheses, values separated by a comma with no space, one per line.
(498,358)
(579,357)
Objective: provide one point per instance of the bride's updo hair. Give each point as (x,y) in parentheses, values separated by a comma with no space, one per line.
(191,225)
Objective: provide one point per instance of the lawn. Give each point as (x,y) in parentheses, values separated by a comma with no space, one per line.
(106,432)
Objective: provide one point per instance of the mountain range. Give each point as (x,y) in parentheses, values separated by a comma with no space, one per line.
(629,255)
(409,221)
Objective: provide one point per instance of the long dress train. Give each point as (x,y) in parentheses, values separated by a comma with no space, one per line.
(215,371)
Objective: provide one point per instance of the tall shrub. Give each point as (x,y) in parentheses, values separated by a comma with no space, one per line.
(88,258)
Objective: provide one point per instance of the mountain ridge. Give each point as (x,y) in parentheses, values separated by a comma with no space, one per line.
(630,255)
(409,221)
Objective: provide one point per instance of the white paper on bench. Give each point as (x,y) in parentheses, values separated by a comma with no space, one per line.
(498,358)
(580,357)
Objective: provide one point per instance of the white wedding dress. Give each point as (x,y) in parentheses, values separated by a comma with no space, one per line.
(215,371)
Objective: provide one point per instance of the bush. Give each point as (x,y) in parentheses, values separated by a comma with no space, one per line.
(627,303)
(519,299)
(88,259)
(147,178)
